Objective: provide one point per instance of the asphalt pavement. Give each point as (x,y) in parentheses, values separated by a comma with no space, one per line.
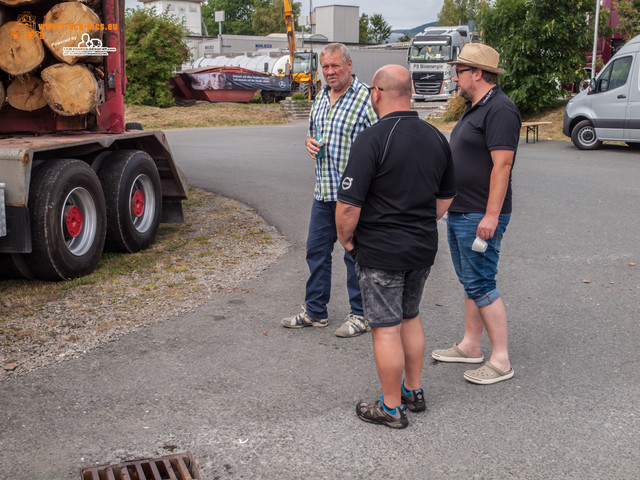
(251,399)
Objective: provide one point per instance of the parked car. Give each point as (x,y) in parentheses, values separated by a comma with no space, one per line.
(610,109)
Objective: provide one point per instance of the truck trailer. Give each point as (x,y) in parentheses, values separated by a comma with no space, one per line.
(74,177)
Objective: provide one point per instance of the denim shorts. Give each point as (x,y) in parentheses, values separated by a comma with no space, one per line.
(389,297)
(476,270)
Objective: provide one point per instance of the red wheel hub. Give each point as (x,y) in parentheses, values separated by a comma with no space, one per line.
(73,221)
(137,203)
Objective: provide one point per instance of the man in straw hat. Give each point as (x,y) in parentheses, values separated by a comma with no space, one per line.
(483,146)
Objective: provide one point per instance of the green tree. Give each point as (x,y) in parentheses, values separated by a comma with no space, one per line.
(405,38)
(629,14)
(268,16)
(364,29)
(379,29)
(238,15)
(155,46)
(540,43)
(458,12)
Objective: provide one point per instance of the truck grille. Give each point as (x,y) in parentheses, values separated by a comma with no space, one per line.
(428,83)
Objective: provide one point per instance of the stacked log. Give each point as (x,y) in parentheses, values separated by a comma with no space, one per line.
(2,95)
(26,93)
(41,72)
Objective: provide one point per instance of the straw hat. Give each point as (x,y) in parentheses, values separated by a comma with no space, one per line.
(478,55)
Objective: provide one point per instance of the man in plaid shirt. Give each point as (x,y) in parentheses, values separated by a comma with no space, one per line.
(340,112)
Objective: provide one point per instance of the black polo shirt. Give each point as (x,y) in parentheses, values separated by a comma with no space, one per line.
(396,170)
(491,124)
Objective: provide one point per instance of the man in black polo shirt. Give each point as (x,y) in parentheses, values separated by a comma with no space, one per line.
(483,145)
(398,182)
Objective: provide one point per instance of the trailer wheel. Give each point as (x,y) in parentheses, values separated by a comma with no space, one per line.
(133,194)
(67,220)
(14,265)
(584,137)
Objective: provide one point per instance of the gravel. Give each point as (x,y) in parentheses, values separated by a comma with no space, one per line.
(221,245)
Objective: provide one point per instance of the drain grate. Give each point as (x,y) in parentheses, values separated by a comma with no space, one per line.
(179,466)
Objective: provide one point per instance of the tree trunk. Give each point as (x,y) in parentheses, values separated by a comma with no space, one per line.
(70,89)
(21,48)
(25,93)
(72,14)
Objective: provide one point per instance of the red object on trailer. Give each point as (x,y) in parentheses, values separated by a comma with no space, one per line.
(73,185)
(108,117)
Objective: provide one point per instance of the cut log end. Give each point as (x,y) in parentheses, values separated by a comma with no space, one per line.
(22,49)
(26,93)
(70,89)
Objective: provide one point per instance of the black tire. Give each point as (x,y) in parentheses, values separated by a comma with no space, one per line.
(133,195)
(584,137)
(14,265)
(267,97)
(304,89)
(133,126)
(68,225)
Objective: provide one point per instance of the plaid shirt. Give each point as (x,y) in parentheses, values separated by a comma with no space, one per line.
(339,125)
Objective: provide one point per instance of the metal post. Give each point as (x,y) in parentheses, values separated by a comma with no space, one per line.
(595,41)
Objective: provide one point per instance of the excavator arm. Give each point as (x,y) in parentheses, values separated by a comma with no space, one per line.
(291,30)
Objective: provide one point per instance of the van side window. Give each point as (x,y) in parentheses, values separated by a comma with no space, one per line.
(615,75)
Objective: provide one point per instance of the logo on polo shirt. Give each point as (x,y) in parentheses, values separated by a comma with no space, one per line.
(346,183)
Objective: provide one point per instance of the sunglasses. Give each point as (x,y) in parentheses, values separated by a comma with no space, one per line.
(371,88)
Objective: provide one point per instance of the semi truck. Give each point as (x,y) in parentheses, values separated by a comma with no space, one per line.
(75,182)
(428,57)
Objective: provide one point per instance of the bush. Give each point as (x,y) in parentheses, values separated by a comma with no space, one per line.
(299,96)
(455,108)
(155,46)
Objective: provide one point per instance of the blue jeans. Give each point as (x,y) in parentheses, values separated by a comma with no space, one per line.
(320,241)
(476,270)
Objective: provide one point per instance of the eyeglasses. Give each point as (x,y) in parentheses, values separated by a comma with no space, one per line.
(371,88)
(459,71)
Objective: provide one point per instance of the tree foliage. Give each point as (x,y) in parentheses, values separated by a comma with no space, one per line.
(248,17)
(458,12)
(237,14)
(379,29)
(155,46)
(363,36)
(373,29)
(629,14)
(268,16)
(540,43)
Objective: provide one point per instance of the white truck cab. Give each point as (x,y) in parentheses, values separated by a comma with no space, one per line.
(610,109)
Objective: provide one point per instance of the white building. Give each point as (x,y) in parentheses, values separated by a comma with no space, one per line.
(188,11)
(339,23)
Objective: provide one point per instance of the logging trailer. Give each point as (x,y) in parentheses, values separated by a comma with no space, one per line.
(74,178)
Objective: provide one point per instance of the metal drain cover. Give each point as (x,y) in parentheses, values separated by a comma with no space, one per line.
(179,466)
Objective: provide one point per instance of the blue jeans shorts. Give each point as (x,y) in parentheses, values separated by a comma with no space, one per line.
(476,270)
(389,297)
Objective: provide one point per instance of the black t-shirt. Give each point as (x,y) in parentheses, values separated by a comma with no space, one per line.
(491,124)
(396,170)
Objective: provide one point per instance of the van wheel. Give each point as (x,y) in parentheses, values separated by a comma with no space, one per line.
(584,137)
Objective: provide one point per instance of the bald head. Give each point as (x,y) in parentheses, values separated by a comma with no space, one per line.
(394,89)
(395,79)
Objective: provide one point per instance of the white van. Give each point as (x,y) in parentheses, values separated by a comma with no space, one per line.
(610,109)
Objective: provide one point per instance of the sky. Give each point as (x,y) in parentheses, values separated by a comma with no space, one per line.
(398,13)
